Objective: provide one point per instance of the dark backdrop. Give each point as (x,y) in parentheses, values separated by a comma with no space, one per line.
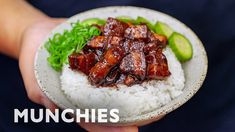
(212,109)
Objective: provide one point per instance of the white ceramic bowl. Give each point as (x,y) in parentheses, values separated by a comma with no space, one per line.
(195,70)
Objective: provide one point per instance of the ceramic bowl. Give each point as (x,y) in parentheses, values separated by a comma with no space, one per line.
(195,70)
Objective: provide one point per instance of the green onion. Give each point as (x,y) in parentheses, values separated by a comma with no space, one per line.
(62,45)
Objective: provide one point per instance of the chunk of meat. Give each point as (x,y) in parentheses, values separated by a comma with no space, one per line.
(157,37)
(130,80)
(114,55)
(97,42)
(101,28)
(154,45)
(157,67)
(113,41)
(131,45)
(161,38)
(101,69)
(99,72)
(82,62)
(112,76)
(121,78)
(86,50)
(151,37)
(136,32)
(137,46)
(114,27)
(134,63)
(99,54)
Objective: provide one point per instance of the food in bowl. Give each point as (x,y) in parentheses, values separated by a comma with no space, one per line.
(122,63)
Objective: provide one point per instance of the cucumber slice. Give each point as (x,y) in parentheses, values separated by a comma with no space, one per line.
(91,21)
(181,46)
(163,29)
(126,19)
(140,20)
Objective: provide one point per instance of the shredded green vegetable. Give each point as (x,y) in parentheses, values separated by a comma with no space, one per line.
(62,45)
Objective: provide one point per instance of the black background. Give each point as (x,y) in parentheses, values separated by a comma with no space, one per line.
(212,109)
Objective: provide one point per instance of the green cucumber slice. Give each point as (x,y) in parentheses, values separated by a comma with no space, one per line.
(163,29)
(181,46)
(91,21)
(125,19)
(140,20)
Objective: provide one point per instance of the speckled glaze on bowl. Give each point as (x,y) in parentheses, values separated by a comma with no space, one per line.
(195,70)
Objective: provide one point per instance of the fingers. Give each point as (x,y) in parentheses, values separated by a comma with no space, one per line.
(32,39)
(91,127)
(33,91)
(37,96)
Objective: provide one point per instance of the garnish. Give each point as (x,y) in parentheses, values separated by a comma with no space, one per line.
(62,45)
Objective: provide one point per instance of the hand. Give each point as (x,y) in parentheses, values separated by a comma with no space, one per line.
(31,39)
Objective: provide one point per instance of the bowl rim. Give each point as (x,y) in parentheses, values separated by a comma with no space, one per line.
(155,113)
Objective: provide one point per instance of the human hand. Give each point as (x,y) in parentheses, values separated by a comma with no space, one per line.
(32,37)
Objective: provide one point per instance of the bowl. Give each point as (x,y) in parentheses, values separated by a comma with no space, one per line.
(195,70)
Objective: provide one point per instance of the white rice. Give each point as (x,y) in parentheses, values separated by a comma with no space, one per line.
(130,101)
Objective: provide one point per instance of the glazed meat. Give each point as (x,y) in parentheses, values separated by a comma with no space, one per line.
(101,69)
(136,32)
(161,38)
(154,45)
(114,55)
(82,62)
(99,53)
(113,41)
(157,37)
(121,78)
(112,77)
(134,64)
(133,45)
(113,27)
(124,53)
(97,42)
(130,80)
(157,65)
(99,72)
(101,28)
